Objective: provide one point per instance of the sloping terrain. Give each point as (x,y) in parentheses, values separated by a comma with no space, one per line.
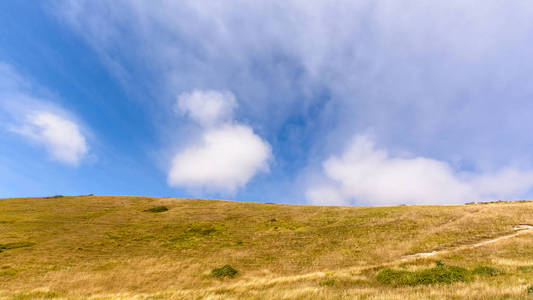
(124,247)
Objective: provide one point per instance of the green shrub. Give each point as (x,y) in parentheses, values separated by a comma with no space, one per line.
(157,209)
(225,271)
(488,271)
(439,274)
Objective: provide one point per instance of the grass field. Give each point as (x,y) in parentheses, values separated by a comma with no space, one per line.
(106,247)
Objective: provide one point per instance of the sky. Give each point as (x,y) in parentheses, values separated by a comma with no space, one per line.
(299,102)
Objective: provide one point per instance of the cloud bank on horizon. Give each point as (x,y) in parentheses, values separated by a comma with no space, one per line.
(364,173)
(344,103)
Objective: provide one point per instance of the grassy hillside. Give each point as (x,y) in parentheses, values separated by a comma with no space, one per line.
(120,247)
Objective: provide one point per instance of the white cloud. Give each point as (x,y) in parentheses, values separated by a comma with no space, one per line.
(208,108)
(61,137)
(368,175)
(227,159)
(229,154)
(26,112)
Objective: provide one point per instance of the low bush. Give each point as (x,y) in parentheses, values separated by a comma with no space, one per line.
(439,274)
(225,271)
(157,209)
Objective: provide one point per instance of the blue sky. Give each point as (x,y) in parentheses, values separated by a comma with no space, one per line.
(339,103)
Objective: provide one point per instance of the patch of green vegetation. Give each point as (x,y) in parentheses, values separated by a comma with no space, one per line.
(438,274)
(201,229)
(222,291)
(327,282)
(55,196)
(158,296)
(157,209)
(144,238)
(7,272)
(182,241)
(192,234)
(35,295)
(525,268)
(107,266)
(113,237)
(15,245)
(486,271)
(225,271)
(530,290)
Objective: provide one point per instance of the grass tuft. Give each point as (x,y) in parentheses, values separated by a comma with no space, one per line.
(528,268)
(15,245)
(7,272)
(35,295)
(225,271)
(328,282)
(486,271)
(530,290)
(157,209)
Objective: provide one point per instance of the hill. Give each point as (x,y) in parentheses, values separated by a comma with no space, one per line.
(123,247)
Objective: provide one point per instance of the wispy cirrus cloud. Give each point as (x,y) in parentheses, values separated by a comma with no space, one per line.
(447,80)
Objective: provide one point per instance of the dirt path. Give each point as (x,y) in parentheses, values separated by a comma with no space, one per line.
(261,282)
(520,229)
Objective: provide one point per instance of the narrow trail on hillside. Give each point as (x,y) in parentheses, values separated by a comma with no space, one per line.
(520,229)
(348,272)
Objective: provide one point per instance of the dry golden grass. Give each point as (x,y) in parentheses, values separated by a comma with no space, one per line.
(107,247)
